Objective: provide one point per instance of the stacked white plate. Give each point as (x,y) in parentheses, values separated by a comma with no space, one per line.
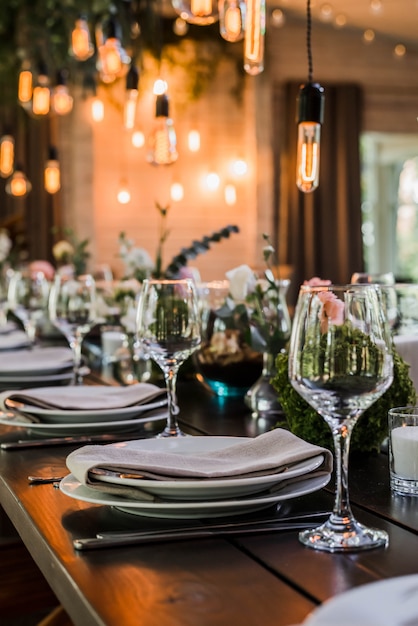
(195,498)
(82,409)
(34,367)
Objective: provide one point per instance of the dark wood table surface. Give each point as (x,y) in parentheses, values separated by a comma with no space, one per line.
(268,579)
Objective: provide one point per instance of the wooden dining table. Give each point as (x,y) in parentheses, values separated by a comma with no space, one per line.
(267,579)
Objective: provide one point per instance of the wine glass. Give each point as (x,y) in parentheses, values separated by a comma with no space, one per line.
(168,327)
(28,299)
(340,362)
(72,309)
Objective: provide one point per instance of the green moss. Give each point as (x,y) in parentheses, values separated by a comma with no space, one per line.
(371,428)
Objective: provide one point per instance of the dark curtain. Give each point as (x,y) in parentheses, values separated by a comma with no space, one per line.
(319,234)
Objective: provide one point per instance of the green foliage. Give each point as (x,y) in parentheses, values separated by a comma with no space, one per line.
(371,428)
(197,247)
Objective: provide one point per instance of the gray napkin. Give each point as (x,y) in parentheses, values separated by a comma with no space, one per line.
(88,397)
(272,452)
(36,361)
(13,340)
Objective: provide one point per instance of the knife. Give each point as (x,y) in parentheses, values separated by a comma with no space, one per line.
(92,543)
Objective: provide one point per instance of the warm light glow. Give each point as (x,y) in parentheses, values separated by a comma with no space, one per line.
(239,167)
(254,37)
(176,192)
(81,45)
(41,97)
(124,195)
(61,100)
(202,12)
(18,185)
(138,139)
(25,86)
(399,50)
(368,35)
(376,6)
(212,181)
(278,18)
(326,12)
(52,176)
(160,87)
(232,19)
(130,108)
(113,60)
(180,27)
(97,110)
(193,140)
(7,155)
(340,20)
(230,195)
(307,166)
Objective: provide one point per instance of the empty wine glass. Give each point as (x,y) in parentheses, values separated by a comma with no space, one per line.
(28,299)
(168,327)
(72,309)
(340,362)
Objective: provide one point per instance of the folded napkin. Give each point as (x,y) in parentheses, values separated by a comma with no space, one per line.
(8,327)
(13,340)
(35,361)
(270,453)
(87,397)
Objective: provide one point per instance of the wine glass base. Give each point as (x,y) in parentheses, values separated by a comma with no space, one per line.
(351,538)
(171,432)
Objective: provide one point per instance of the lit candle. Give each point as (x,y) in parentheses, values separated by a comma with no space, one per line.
(405,451)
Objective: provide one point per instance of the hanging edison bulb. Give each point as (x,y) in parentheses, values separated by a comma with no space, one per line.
(131,97)
(200,12)
(7,155)
(232,14)
(81,45)
(162,142)
(255,30)
(113,60)
(18,184)
(61,99)
(41,95)
(52,173)
(310,117)
(24,90)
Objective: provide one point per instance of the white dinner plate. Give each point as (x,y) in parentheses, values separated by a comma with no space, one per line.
(41,378)
(391,602)
(199,489)
(35,362)
(190,510)
(111,426)
(89,416)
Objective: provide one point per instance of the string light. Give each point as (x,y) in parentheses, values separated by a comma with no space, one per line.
(81,45)
(201,12)
(176,192)
(232,16)
(131,97)
(97,110)
(255,29)
(124,196)
(61,100)
(230,194)
(18,184)
(193,140)
(24,92)
(162,142)
(41,95)
(138,139)
(212,181)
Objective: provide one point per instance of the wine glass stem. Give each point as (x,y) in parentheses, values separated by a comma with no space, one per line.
(75,345)
(342,510)
(172,428)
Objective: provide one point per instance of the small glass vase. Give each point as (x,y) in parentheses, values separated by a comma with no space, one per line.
(262,398)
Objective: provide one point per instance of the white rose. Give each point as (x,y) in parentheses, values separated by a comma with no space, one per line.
(242,282)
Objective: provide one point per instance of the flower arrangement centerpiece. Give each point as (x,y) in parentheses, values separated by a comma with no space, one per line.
(138,263)
(371,428)
(71,254)
(246,326)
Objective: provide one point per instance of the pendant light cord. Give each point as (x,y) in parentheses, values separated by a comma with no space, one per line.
(308,40)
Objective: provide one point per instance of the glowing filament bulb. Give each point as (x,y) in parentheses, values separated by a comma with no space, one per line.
(232,19)
(81,45)
(52,177)
(25,86)
(97,110)
(18,185)
(255,30)
(193,141)
(131,98)
(230,195)
(308,156)
(162,143)
(7,155)
(202,12)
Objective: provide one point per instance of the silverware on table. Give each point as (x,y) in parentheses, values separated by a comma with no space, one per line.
(92,543)
(112,539)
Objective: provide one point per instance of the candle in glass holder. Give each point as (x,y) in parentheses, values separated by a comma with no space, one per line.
(403,450)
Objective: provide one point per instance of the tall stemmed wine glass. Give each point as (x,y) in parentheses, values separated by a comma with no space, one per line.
(340,362)
(72,309)
(168,327)
(28,298)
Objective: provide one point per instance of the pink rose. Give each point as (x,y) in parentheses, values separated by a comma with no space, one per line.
(317,282)
(44,267)
(332,310)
